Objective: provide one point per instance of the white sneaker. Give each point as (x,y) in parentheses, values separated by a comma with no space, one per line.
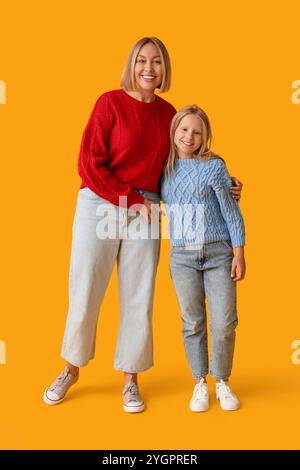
(228,400)
(131,398)
(199,401)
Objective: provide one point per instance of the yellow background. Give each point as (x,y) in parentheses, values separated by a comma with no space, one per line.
(235,59)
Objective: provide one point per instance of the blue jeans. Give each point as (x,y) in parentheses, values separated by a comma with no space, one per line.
(205,273)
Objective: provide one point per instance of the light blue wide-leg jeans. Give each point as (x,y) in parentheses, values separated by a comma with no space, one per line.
(102,235)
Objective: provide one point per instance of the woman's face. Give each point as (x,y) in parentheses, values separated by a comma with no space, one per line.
(148,68)
(188,136)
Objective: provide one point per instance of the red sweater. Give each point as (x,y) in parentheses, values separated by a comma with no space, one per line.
(124,146)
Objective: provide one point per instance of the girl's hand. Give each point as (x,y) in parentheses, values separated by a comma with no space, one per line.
(151,211)
(236,189)
(238,267)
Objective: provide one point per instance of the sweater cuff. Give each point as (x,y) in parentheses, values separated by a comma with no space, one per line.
(237,240)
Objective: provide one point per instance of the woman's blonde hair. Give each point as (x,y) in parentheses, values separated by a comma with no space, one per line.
(204,152)
(128,80)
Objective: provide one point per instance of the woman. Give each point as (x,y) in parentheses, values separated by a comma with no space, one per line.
(123,152)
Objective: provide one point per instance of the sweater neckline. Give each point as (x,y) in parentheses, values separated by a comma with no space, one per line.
(141,103)
(188,161)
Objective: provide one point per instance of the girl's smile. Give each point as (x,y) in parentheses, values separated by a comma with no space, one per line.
(188,136)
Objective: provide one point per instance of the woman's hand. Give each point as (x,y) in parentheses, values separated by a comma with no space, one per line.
(151,211)
(236,189)
(238,267)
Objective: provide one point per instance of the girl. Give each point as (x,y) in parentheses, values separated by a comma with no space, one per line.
(205,225)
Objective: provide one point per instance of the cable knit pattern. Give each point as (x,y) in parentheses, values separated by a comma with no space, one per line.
(199,204)
(124,146)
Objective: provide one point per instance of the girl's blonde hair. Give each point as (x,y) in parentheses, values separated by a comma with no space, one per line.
(204,152)
(128,80)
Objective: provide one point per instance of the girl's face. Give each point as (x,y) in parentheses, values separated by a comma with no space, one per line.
(188,136)
(148,68)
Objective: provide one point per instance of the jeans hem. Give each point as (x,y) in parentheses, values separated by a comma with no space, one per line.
(76,363)
(131,370)
(199,376)
(218,377)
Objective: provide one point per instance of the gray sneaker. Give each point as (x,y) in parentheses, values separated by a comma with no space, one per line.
(56,392)
(132,400)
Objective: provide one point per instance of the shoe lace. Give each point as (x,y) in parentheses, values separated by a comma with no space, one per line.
(59,381)
(225,390)
(201,391)
(133,392)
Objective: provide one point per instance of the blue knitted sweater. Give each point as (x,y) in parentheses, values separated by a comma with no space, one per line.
(199,204)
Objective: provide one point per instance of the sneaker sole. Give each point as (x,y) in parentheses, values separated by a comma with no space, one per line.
(228,409)
(51,402)
(194,410)
(133,409)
